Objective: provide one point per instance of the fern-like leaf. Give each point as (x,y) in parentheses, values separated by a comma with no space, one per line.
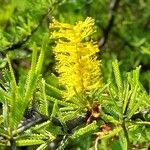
(43,104)
(110,134)
(29,142)
(89,128)
(117,77)
(42,54)
(31,75)
(42,146)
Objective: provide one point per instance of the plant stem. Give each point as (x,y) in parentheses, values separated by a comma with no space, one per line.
(13,144)
(126,136)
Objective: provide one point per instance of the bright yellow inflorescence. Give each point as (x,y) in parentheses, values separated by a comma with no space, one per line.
(77,65)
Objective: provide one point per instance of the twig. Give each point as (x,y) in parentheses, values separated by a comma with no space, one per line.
(13,144)
(113,7)
(126,135)
(34,120)
(71,124)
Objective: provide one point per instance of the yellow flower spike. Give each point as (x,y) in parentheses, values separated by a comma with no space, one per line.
(77,64)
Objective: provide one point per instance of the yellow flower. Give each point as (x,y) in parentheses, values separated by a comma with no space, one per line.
(77,64)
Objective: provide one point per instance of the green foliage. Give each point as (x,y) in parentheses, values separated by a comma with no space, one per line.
(84,130)
(33,112)
(128,98)
(17,97)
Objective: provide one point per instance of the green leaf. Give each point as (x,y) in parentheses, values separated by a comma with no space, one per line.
(133,99)
(109,118)
(63,103)
(32,136)
(123,141)
(55,109)
(39,127)
(117,76)
(43,106)
(31,75)
(53,89)
(3,95)
(42,54)
(69,115)
(29,142)
(110,133)
(13,80)
(1,119)
(126,98)
(42,146)
(89,128)
(5,114)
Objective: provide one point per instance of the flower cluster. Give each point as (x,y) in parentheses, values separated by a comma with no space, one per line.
(77,65)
